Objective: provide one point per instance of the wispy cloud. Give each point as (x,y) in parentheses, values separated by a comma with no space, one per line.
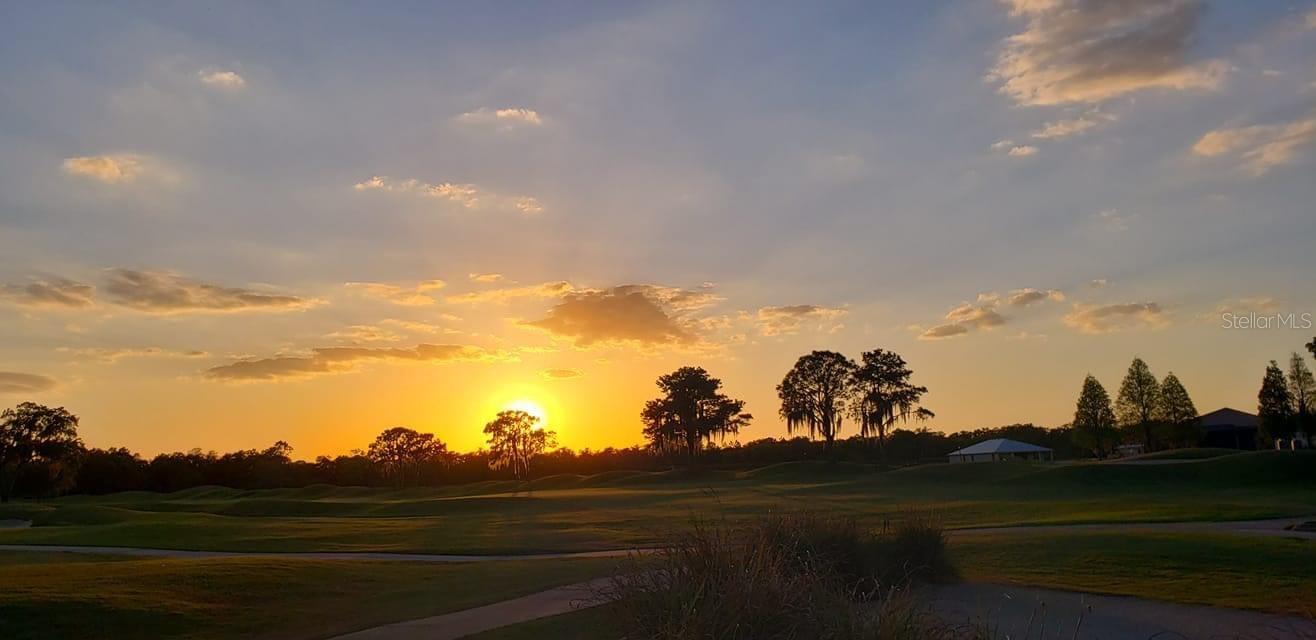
(505,119)
(485,278)
(1260,148)
(1114,221)
(1071,126)
(503,294)
(774,321)
(14,382)
(229,80)
(560,374)
(1110,318)
(110,169)
(166,292)
(412,296)
(467,195)
(115,354)
(331,360)
(51,292)
(1080,51)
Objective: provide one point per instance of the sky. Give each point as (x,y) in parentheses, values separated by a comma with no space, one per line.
(225,224)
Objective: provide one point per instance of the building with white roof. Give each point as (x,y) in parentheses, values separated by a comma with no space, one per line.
(999,450)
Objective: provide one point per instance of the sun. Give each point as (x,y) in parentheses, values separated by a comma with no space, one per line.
(529,406)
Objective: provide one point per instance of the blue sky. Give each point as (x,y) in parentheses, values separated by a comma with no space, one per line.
(838,175)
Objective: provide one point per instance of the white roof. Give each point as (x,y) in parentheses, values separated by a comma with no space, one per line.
(999,445)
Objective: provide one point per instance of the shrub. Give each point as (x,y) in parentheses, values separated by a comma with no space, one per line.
(779,577)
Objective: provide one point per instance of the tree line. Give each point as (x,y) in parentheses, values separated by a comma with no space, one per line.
(691,423)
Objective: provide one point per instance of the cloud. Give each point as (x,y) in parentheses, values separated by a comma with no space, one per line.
(1098,283)
(414,296)
(114,354)
(1243,306)
(1071,126)
(229,80)
(363,333)
(469,196)
(560,374)
(507,119)
(332,360)
(646,315)
(165,292)
(1115,317)
(980,316)
(14,382)
(948,330)
(1112,220)
(1311,19)
(485,278)
(786,320)
(1260,148)
(1083,51)
(1027,296)
(1022,151)
(110,169)
(49,292)
(542,290)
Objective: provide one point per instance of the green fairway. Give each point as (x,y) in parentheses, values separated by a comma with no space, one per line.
(72,596)
(1269,574)
(571,513)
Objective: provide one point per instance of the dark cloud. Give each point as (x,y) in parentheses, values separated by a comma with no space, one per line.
(14,382)
(163,292)
(643,314)
(328,360)
(1087,51)
(49,292)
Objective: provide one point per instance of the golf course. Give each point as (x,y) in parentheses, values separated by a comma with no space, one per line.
(1021,523)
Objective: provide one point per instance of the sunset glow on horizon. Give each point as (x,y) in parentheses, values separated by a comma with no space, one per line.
(216,234)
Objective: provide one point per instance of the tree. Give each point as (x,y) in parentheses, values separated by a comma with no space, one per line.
(814,392)
(883,395)
(515,438)
(691,412)
(1136,405)
(1311,346)
(1175,409)
(1094,421)
(35,433)
(402,452)
(1275,404)
(1302,392)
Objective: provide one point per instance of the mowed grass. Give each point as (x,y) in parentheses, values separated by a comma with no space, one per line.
(624,509)
(71,596)
(594,623)
(1242,572)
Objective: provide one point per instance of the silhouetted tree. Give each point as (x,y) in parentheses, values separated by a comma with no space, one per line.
(1311,346)
(1136,405)
(110,471)
(402,452)
(883,395)
(1175,409)
(515,438)
(814,392)
(35,433)
(1094,421)
(1275,405)
(691,412)
(1302,392)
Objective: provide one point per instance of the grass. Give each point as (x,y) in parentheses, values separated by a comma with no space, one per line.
(75,596)
(1265,574)
(620,509)
(1192,453)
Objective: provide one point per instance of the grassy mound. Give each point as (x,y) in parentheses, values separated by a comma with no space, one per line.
(808,470)
(1193,453)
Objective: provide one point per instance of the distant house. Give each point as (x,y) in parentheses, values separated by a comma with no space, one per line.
(1229,428)
(999,450)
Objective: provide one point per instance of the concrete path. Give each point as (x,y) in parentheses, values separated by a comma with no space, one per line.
(1272,528)
(310,555)
(471,621)
(1050,614)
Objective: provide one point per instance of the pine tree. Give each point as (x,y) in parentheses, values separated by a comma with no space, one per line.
(1094,421)
(1274,405)
(1136,406)
(1175,409)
